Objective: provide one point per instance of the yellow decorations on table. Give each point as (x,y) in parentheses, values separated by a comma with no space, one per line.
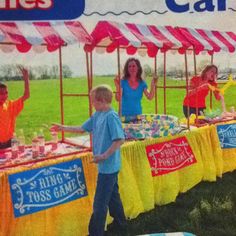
(184,120)
(192,119)
(225,87)
(149,118)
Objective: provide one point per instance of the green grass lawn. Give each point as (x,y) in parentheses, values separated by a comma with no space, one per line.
(43,107)
(209,209)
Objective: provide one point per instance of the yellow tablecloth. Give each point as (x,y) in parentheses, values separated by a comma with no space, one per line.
(67,219)
(139,191)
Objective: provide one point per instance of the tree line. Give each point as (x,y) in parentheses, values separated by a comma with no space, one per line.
(178,71)
(42,72)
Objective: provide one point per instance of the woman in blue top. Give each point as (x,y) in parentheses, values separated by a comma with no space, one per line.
(132,88)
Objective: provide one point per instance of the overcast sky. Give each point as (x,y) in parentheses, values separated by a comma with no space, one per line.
(107,64)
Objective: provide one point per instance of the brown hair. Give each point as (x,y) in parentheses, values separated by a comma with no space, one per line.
(102,93)
(2,86)
(126,71)
(207,68)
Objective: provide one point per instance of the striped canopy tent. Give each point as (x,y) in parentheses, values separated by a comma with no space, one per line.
(108,36)
(211,41)
(45,36)
(41,36)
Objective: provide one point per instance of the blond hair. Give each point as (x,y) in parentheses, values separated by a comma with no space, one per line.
(102,93)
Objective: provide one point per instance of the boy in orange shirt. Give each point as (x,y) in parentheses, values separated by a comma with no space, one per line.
(10,109)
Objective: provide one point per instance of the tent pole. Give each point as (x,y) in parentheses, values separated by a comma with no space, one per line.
(89,83)
(195,63)
(90,86)
(164,83)
(155,72)
(61,92)
(91,70)
(196,97)
(118,64)
(212,59)
(187,82)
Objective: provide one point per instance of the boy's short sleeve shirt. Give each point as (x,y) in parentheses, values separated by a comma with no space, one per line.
(105,128)
(8,113)
(131,98)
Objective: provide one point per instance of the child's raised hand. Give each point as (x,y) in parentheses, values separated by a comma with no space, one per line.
(24,72)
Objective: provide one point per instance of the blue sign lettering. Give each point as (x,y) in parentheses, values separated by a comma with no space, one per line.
(40,9)
(221,5)
(173,6)
(204,5)
(198,6)
(227,135)
(42,188)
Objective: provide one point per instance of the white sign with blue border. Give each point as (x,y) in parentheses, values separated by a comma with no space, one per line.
(227,135)
(42,188)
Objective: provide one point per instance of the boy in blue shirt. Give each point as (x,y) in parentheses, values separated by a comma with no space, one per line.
(108,136)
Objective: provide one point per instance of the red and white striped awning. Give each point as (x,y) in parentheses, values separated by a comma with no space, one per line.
(209,40)
(41,35)
(107,36)
(136,38)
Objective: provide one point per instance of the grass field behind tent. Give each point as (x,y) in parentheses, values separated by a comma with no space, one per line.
(43,107)
(209,209)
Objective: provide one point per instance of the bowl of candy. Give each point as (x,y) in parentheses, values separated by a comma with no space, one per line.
(149,126)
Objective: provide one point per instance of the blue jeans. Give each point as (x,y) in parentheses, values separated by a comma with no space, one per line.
(106,196)
(6,144)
